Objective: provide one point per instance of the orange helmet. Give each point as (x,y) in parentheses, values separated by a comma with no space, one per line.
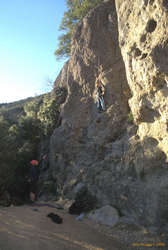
(34,162)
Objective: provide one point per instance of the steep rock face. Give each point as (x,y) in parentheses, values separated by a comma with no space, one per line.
(123,164)
(143,37)
(143,29)
(79,146)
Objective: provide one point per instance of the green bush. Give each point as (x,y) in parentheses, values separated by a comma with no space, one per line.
(48,115)
(130,117)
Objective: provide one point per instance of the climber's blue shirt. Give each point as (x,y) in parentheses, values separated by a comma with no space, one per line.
(34,173)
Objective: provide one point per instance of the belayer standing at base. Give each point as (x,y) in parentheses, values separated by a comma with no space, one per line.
(34,177)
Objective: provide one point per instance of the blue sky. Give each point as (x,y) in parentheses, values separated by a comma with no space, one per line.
(29,31)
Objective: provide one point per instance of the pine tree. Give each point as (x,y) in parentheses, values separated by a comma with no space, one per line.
(77,9)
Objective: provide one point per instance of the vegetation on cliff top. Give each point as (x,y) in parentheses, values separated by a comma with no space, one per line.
(76,10)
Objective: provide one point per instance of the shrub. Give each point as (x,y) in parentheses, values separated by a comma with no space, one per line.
(84,202)
(130,117)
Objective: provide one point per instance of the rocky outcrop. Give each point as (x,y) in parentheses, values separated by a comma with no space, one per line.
(80,144)
(120,155)
(145,54)
(143,36)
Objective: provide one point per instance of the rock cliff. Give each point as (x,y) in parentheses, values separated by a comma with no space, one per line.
(121,153)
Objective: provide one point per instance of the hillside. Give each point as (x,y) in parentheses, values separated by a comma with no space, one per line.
(25,128)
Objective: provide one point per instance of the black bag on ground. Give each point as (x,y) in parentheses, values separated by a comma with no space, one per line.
(55,218)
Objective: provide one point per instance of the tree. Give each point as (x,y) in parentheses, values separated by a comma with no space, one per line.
(77,10)
(48,114)
(20,138)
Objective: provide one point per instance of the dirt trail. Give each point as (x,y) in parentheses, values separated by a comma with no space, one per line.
(27,227)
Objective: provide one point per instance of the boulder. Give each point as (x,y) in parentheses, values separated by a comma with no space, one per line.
(106,215)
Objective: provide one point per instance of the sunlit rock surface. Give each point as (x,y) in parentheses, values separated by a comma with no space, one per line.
(120,154)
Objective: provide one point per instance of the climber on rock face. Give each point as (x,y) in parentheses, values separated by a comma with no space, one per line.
(34,177)
(100,94)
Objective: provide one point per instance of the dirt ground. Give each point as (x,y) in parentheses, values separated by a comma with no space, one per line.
(27,227)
